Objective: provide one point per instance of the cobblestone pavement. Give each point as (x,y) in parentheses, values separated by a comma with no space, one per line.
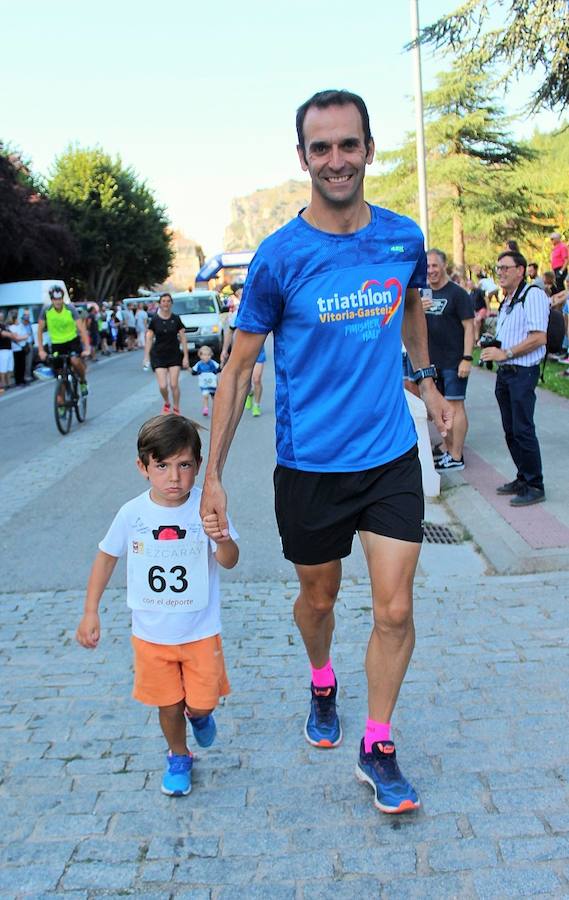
(481,728)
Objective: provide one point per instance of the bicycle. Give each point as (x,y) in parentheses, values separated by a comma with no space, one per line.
(68,395)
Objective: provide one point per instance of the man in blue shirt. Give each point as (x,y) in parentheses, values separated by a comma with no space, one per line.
(338,287)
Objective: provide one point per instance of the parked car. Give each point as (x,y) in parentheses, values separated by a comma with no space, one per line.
(201,314)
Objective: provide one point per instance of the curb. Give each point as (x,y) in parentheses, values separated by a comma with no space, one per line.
(503,547)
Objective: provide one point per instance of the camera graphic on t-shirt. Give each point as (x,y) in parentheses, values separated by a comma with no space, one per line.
(169,533)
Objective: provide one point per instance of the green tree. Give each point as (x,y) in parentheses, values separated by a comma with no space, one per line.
(548,174)
(122,233)
(470,159)
(34,243)
(534,37)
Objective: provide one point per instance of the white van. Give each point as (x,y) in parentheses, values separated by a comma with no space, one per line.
(31,295)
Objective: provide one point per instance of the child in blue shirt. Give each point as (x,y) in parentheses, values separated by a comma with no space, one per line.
(206,370)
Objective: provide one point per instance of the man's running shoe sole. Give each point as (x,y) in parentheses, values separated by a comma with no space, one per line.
(404,806)
(323,743)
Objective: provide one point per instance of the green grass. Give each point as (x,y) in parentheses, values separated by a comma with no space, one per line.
(554,380)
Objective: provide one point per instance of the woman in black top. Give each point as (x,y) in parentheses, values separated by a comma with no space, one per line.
(162,349)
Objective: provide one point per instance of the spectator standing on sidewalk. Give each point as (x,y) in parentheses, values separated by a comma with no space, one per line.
(6,355)
(130,326)
(559,257)
(19,339)
(28,346)
(141,322)
(479,304)
(521,331)
(450,326)
(534,276)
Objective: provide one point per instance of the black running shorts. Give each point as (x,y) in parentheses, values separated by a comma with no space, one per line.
(318,513)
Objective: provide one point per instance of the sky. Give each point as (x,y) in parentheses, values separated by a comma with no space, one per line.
(200,98)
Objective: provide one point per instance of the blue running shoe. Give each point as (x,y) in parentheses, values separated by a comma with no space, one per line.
(177,781)
(393,793)
(204,729)
(322,728)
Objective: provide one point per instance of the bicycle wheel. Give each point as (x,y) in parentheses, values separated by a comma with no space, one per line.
(80,402)
(63,411)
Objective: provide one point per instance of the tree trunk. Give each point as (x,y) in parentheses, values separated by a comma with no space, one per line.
(458,232)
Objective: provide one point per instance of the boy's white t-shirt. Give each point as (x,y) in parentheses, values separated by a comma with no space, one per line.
(134,524)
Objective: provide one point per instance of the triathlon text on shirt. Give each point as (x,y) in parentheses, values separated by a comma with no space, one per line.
(370,300)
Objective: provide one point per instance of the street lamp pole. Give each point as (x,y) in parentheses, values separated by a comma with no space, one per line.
(420,127)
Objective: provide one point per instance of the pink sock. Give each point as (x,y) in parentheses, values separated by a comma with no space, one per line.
(324,677)
(376,731)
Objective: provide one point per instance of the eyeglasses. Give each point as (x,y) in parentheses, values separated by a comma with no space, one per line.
(504,268)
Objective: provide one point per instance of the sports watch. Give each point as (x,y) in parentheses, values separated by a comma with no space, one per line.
(427,372)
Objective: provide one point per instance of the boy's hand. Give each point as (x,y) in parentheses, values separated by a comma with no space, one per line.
(213,529)
(89,631)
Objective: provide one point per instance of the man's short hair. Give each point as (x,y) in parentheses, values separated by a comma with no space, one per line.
(164,436)
(519,258)
(440,253)
(535,265)
(165,294)
(322,100)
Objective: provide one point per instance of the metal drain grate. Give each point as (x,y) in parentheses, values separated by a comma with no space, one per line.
(440,534)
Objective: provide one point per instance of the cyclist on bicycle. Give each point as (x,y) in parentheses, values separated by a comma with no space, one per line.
(67,331)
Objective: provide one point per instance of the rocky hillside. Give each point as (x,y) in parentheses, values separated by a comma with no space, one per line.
(257,215)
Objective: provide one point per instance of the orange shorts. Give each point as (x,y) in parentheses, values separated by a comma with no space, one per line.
(164,674)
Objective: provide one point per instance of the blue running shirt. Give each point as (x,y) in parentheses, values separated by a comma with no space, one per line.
(335,303)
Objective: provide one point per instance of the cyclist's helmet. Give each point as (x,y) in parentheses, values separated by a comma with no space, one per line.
(56,291)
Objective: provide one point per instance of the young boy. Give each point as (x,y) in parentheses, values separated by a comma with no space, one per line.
(172,589)
(206,370)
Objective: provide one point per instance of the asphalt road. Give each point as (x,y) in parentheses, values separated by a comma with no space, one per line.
(59,494)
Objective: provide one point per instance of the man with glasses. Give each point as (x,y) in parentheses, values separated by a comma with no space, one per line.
(521,334)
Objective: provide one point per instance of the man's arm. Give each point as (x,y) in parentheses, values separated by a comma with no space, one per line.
(534,340)
(232,389)
(41,329)
(414,334)
(465,365)
(82,329)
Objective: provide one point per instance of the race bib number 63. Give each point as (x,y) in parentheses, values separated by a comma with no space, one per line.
(168,575)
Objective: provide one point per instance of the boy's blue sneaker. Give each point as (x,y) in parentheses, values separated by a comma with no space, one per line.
(204,729)
(177,781)
(393,793)
(322,728)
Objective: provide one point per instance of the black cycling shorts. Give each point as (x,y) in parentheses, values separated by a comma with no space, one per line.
(318,513)
(69,347)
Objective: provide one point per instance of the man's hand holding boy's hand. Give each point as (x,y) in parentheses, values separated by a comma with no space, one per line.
(89,630)
(213,529)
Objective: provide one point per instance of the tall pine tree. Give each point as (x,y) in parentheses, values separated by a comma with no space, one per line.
(470,157)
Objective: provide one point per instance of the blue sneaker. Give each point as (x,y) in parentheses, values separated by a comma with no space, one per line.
(322,728)
(177,781)
(204,729)
(393,793)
